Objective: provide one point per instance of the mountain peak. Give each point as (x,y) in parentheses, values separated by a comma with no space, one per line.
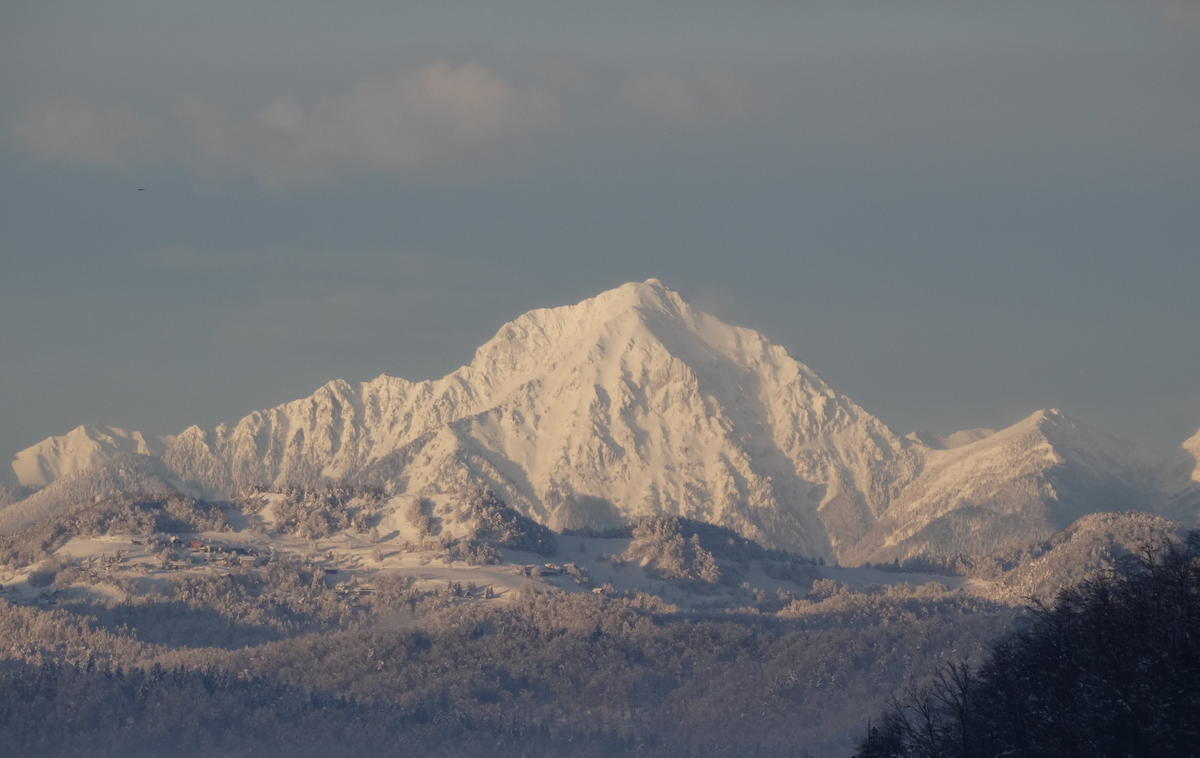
(1047,416)
(81,448)
(635,323)
(648,296)
(632,397)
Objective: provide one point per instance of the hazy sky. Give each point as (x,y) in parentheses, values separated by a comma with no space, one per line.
(956,215)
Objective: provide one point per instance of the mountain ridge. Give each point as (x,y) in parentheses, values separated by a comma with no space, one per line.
(634,403)
(81,448)
(588,401)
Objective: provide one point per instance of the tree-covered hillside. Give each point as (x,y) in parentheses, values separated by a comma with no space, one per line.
(340,621)
(1112,669)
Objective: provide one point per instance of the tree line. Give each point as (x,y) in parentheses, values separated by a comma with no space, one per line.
(1111,669)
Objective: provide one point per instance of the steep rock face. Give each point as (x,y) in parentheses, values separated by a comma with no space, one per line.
(1013,487)
(632,398)
(78,449)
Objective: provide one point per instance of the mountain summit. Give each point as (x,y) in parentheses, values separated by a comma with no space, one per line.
(79,449)
(634,403)
(627,404)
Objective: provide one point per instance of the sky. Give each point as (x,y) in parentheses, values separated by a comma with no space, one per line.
(956,214)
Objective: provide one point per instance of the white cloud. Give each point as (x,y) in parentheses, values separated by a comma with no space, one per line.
(71,131)
(438,118)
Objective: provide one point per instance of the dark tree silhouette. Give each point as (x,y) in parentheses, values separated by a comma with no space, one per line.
(1112,669)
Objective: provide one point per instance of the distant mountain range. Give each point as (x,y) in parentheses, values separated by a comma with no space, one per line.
(634,403)
(81,448)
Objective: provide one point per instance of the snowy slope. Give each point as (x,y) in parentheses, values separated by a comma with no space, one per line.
(1013,487)
(1091,545)
(1192,447)
(131,473)
(1184,503)
(78,449)
(958,439)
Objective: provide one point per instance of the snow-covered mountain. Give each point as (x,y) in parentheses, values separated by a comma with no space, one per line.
(132,473)
(78,449)
(1016,486)
(1184,503)
(634,403)
(1192,447)
(629,403)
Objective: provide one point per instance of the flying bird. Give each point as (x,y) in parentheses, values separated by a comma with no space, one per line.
(141,189)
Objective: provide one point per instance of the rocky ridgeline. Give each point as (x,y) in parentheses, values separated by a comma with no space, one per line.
(634,403)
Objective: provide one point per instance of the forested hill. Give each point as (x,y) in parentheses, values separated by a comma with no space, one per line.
(342,621)
(1111,668)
